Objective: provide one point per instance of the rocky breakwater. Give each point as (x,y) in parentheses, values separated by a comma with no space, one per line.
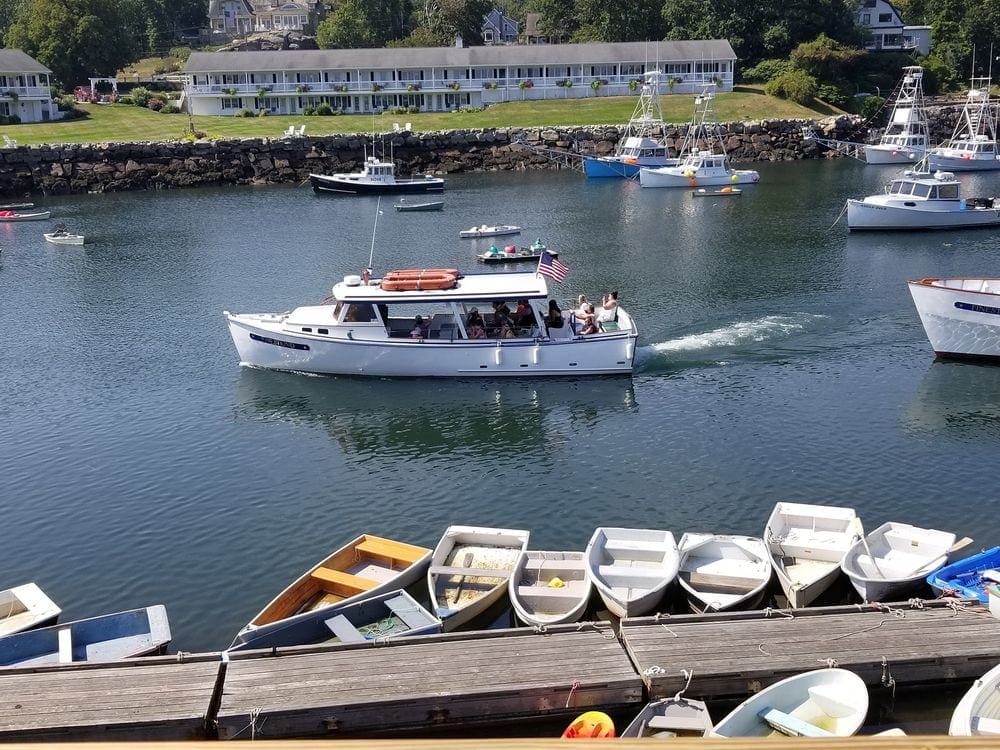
(61,169)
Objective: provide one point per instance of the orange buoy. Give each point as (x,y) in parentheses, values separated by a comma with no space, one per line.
(590,725)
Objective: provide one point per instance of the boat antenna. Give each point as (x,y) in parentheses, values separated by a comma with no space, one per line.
(371,254)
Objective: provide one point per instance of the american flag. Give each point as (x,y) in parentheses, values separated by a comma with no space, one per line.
(549,265)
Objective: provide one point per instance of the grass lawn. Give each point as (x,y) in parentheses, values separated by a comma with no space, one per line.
(114,123)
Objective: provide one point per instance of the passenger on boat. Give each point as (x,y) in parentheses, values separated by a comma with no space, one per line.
(589,321)
(523,316)
(554,319)
(474,325)
(609,308)
(420,328)
(581,306)
(500,307)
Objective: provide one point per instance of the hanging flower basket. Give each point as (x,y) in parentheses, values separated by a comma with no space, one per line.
(413,87)
(302,88)
(342,87)
(376,87)
(454,85)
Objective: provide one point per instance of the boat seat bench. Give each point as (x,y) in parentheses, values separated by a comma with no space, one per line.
(788,724)
(449,570)
(555,565)
(564,592)
(341,627)
(65,646)
(683,723)
(736,583)
(395,550)
(403,609)
(339,578)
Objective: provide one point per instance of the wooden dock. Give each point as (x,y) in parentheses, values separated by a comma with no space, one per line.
(427,681)
(736,654)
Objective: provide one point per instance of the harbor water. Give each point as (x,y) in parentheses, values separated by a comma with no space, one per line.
(780,359)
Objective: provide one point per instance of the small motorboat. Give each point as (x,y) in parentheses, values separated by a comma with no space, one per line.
(631,568)
(513,254)
(968,578)
(9,215)
(921,200)
(377,177)
(364,567)
(137,632)
(978,712)
(488,230)
(25,607)
(807,544)
(470,570)
(62,236)
(894,559)
(394,613)
(704,193)
(547,588)
(821,703)
(723,572)
(428,206)
(15,206)
(671,717)
(958,316)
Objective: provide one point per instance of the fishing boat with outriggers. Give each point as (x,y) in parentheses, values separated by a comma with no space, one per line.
(905,138)
(961,316)
(973,145)
(640,145)
(699,167)
(414,323)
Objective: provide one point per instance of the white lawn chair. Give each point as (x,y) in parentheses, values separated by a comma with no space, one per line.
(290,131)
(409,128)
(301,131)
(9,142)
(395,127)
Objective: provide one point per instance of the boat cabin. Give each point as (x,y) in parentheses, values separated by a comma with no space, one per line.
(706,163)
(938,186)
(973,147)
(637,147)
(373,171)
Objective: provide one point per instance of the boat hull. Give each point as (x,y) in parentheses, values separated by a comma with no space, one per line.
(959,324)
(536,601)
(870,216)
(964,578)
(880,154)
(329,184)
(610,167)
(656,179)
(723,572)
(270,347)
(978,703)
(958,163)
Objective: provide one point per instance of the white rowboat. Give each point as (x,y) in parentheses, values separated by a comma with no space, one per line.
(721,572)
(894,559)
(470,570)
(807,544)
(547,588)
(25,607)
(822,703)
(671,717)
(979,710)
(631,568)
(17,216)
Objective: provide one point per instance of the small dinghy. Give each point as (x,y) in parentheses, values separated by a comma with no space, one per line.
(362,568)
(671,717)
(514,254)
(62,236)
(631,568)
(487,230)
(979,710)
(427,206)
(15,206)
(895,559)
(137,632)
(394,613)
(720,571)
(26,607)
(470,570)
(8,215)
(968,578)
(705,193)
(821,703)
(547,588)
(807,544)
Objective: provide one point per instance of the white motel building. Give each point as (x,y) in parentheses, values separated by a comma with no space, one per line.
(444,78)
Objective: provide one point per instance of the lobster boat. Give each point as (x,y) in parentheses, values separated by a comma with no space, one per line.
(377,177)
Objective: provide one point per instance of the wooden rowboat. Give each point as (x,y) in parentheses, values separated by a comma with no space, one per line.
(631,568)
(548,588)
(25,607)
(362,568)
(470,569)
(17,216)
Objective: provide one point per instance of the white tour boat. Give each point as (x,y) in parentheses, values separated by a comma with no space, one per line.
(377,177)
(905,139)
(640,146)
(699,167)
(489,230)
(961,317)
(973,145)
(373,329)
(920,200)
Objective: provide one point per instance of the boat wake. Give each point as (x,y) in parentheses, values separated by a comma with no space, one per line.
(739,334)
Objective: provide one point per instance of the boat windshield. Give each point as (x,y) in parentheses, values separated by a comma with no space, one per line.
(453,321)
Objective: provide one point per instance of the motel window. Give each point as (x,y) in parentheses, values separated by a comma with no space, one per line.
(230,103)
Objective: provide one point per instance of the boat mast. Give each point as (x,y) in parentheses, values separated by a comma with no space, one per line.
(371,254)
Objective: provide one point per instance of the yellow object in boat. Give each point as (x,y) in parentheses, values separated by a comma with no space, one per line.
(556,582)
(590,725)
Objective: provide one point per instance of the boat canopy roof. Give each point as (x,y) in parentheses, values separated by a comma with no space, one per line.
(473,287)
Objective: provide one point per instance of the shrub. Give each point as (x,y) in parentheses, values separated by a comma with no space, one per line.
(870,105)
(454,85)
(14,120)
(324,110)
(140,96)
(262,113)
(309,111)
(66,102)
(155,104)
(833,94)
(412,109)
(767,70)
(126,100)
(169,109)
(231,91)
(181,53)
(244,113)
(796,85)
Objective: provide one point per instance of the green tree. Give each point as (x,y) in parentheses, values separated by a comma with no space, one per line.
(558,17)
(76,39)
(348,27)
(613,21)
(826,59)
(9,10)
(796,85)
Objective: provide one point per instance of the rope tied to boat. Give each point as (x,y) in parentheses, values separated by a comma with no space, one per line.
(760,647)
(839,216)
(607,634)
(889,681)
(688,674)
(572,690)
(254,714)
(181,655)
(768,611)
(540,629)
(915,602)
(830,663)
(895,614)
(654,671)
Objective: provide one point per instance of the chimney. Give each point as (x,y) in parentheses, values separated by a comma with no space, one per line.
(458,41)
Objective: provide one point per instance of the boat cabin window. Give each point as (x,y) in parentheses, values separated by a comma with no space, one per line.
(359,312)
(920,190)
(948,192)
(987,147)
(438,321)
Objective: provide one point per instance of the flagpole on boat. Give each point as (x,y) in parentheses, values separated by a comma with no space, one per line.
(371,254)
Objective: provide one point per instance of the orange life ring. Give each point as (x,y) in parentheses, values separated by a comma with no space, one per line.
(425,282)
(590,725)
(416,273)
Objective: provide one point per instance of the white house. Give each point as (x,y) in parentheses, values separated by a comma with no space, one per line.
(444,78)
(241,17)
(24,88)
(887,30)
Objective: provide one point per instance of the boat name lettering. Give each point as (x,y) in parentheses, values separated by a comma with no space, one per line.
(279,342)
(977,308)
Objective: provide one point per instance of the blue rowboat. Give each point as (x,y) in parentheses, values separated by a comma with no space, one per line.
(122,635)
(968,578)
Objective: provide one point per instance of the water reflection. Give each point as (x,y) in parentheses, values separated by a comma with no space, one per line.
(411,418)
(959,399)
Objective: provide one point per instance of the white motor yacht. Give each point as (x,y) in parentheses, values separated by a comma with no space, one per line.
(415,324)
(920,200)
(973,145)
(961,317)
(905,138)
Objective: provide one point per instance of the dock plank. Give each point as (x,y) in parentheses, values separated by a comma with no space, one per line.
(732,657)
(431,681)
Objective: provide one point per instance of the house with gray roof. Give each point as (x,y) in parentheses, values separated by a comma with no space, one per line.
(434,79)
(499,28)
(24,88)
